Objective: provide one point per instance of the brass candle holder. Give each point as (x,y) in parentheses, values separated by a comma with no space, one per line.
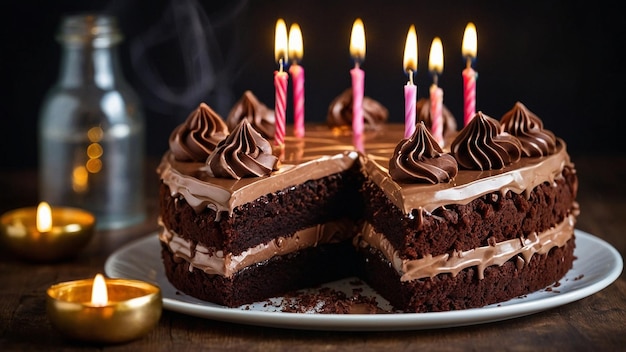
(46,234)
(127,310)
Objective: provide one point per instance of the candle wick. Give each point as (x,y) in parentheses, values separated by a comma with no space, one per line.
(280,65)
(435,79)
(410,76)
(356,64)
(469,62)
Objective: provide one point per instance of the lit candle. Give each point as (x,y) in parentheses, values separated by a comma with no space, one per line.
(104,310)
(357,51)
(296,51)
(280,82)
(410,89)
(469,48)
(435,66)
(47,234)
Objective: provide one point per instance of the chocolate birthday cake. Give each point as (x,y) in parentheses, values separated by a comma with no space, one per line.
(486,217)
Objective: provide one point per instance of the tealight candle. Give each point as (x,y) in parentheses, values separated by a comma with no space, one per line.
(104,310)
(46,234)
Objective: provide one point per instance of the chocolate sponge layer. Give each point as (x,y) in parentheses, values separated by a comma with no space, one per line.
(277,214)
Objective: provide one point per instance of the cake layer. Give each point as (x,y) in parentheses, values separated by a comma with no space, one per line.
(519,177)
(267,217)
(492,254)
(321,153)
(487,218)
(270,278)
(465,290)
(216,261)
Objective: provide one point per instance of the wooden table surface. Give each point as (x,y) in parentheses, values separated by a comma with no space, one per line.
(597,322)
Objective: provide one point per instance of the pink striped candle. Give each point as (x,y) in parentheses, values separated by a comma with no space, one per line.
(435,65)
(297,75)
(357,51)
(296,72)
(410,97)
(280,83)
(469,47)
(469,94)
(358,87)
(410,89)
(436,113)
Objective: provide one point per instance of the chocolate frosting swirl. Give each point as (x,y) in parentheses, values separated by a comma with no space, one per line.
(528,128)
(197,137)
(422,108)
(340,112)
(420,159)
(248,107)
(244,153)
(480,145)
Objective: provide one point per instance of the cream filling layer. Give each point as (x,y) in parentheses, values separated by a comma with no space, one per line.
(217,262)
(482,257)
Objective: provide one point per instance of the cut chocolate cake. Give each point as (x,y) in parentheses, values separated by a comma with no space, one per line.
(488,217)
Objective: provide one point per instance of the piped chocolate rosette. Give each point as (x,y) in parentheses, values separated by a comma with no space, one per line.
(481,145)
(340,113)
(197,137)
(528,128)
(420,159)
(244,153)
(249,108)
(422,108)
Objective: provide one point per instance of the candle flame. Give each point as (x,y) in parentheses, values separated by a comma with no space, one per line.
(296,49)
(410,52)
(470,41)
(280,42)
(435,59)
(44,217)
(99,294)
(357,41)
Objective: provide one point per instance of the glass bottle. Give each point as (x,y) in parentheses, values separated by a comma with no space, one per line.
(91,128)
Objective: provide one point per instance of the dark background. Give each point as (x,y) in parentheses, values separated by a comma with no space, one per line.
(560,58)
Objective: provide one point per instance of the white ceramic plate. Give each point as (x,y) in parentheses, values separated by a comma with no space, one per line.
(597,266)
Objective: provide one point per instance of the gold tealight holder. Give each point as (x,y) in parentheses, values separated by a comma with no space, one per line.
(104,310)
(46,234)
